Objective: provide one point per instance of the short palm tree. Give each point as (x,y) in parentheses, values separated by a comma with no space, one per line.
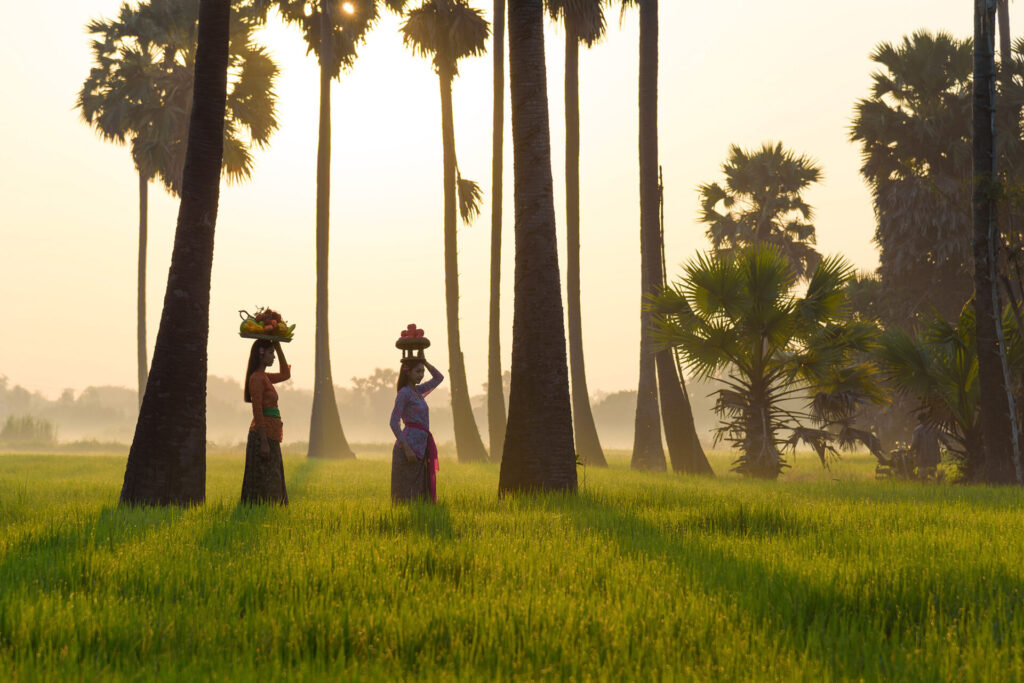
(789,363)
(447,31)
(584,24)
(762,202)
(938,367)
(333,32)
(139,92)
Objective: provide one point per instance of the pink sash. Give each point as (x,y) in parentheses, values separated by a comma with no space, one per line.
(431,456)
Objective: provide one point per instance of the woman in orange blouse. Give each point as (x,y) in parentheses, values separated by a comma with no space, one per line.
(263,480)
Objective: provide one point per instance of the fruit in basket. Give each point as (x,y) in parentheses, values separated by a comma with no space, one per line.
(267,322)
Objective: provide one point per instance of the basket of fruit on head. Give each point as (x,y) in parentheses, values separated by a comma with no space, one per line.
(265,324)
(412,339)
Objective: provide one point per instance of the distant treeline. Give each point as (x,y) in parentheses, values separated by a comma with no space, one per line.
(105,416)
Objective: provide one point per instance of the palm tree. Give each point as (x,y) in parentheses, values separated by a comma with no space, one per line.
(447,31)
(762,203)
(167,460)
(139,92)
(539,452)
(495,392)
(685,451)
(998,418)
(787,363)
(1005,42)
(938,368)
(584,23)
(648,453)
(914,131)
(657,376)
(333,32)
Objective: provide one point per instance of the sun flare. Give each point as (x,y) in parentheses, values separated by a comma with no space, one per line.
(348,8)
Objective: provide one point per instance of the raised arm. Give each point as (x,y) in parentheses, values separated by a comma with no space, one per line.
(285,369)
(435,379)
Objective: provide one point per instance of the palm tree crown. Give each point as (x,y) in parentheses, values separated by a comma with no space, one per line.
(762,203)
(445,31)
(140,89)
(915,135)
(583,19)
(349,25)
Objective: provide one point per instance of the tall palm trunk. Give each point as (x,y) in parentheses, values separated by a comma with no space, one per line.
(141,305)
(495,387)
(587,443)
(326,437)
(648,453)
(1005,41)
(167,460)
(539,451)
(1002,453)
(468,444)
(1008,124)
(684,448)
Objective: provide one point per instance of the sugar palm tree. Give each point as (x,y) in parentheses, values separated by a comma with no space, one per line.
(914,130)
(333,32)
(139,93)
(762,202)
(167,460)
(495,393)
(657,375)
(938,368)
(998,415)
(447,31)
(539,452)
(685,451)
(788,364)
(584,24)
(648,452)
(1005,42)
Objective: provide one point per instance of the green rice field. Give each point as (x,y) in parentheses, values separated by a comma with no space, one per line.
(819,576)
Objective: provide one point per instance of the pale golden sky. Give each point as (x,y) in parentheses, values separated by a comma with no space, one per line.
(742,71)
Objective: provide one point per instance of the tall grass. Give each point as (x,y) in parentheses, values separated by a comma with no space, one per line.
(639,576)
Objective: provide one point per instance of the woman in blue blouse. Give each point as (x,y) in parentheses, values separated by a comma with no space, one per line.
(414,457)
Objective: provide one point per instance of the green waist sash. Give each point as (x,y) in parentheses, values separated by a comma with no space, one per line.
(272,412)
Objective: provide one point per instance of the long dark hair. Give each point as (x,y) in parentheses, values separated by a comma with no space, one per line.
(403,372)
(259,347)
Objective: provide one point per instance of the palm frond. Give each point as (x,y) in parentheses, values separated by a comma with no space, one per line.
(583,19)
(470,199)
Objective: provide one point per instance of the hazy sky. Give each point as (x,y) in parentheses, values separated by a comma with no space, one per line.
(734,71)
